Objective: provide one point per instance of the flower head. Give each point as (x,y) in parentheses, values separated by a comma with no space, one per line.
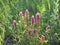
(26,13)
(29,32)
(38,18)
(14,23)
(34,31)
(20,14)
(32,20)
(42,37)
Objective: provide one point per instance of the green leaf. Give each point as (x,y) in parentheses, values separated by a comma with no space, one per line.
(45,41)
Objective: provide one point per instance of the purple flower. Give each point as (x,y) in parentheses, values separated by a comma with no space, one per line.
(14,23)
(38,18)
(20,14)
(42,37)
(32,20)
(30,32)
(26,13)
(34,31)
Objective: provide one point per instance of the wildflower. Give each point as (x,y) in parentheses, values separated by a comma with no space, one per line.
(30,32)
(34,31)
(32,20)
(26,13)
(14,23)
(47,28)
(42,37)
(27,17)
(38,18)
(20,14)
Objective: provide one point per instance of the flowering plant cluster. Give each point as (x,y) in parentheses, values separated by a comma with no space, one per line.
(29,27)
(19,27)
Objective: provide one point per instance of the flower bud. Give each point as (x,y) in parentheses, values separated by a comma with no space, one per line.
(14,23)
(38,18)
(32,20)
(47,28)
(42,37)
(30,32)
(35,31)
(26,13)
(20,14)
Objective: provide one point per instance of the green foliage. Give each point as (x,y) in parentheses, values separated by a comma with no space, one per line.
(9,11)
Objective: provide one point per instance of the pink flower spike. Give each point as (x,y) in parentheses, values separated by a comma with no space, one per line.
(20,14)
(26,13)
(35,31)
(32,20)
(38,18)
(42,37)
(14,23)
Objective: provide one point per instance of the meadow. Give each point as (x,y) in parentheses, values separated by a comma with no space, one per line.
(29,22)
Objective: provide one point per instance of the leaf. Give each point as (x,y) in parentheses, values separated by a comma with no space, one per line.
(45,41)
(41,8)
(48,4)
(23,31)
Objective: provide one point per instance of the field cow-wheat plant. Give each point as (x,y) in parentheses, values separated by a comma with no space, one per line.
(29,22)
